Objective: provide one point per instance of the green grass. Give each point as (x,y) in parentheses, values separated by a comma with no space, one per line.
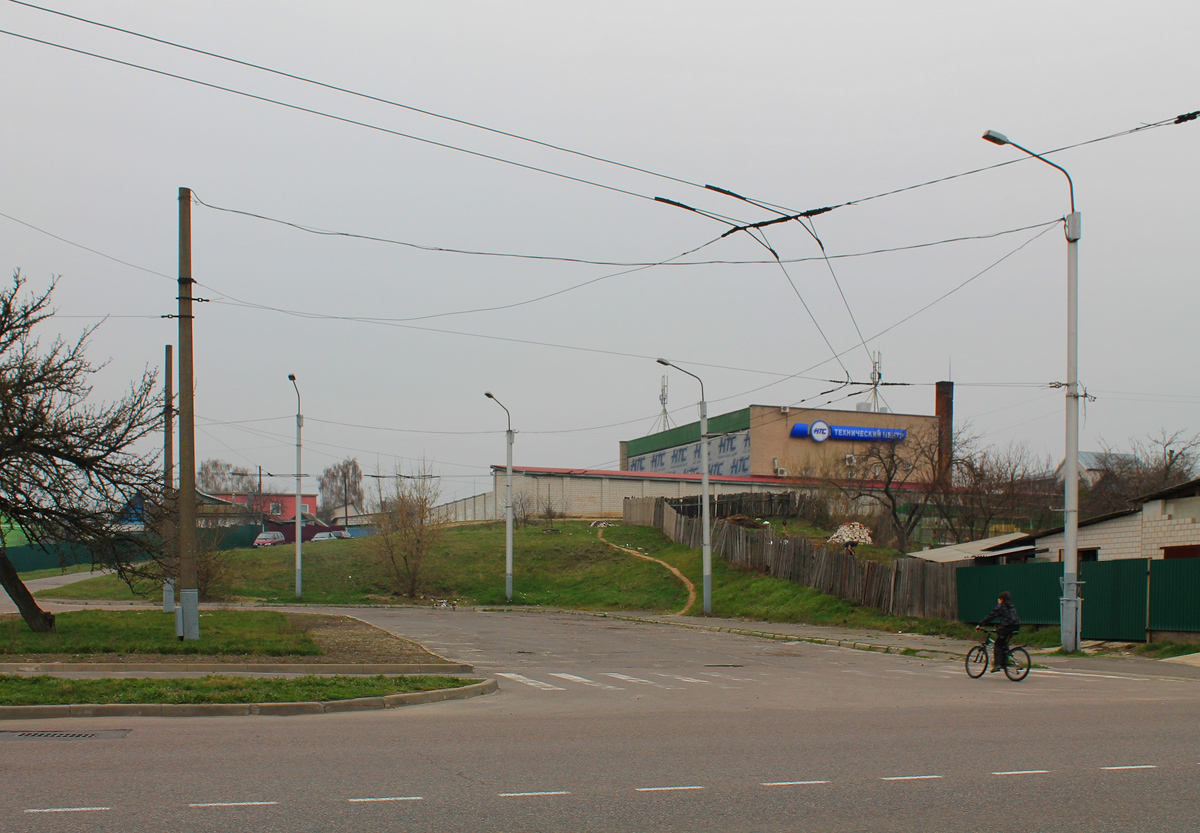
(42,691)
(1164,650)
(741,594)
(28,575)
(89,632)
(568,568)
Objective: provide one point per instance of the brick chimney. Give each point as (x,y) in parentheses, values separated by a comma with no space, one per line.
(944,410)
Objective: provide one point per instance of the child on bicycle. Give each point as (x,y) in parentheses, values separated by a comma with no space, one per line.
(1007,623)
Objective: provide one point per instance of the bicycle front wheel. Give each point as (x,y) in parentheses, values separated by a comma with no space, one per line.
(977,661)
(1018,664)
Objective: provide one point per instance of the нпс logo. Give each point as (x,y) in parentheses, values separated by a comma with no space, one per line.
(819,431)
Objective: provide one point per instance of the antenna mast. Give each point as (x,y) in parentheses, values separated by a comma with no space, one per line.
(663,422)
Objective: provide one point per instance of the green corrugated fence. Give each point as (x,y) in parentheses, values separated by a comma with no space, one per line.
(1034,588)
(1122,599)
(1175,595)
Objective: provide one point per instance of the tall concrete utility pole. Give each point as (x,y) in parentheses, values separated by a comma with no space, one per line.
(299,520)
(189,592)
(170,554)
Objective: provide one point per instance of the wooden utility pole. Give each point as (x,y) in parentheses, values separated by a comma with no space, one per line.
(170,555)
(189,593)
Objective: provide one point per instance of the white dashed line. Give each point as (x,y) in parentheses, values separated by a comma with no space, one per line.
(69,810)
(791,783)
(524,795)
(627,679)
(664,789)
(1135,766)
(683,679)
(235,804)
(910,777)
(387,798)
(574,679)
(520,678)
(1023,772)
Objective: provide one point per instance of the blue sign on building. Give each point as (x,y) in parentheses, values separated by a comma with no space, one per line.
(820,431)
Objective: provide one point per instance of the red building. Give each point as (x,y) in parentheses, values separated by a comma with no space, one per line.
(275,507)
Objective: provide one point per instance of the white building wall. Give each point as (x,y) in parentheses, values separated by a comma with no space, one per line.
(1169,523)
(1117,538)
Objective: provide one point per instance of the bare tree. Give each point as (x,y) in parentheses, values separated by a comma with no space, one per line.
(524,505)
(407,528)
(341,484)
(897,479)
(1156,462)
(989,486)
(217,477)
(69,466)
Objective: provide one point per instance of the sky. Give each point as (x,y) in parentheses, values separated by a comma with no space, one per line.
(795,105)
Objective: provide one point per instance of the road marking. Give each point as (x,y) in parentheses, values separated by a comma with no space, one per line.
(68,810)
(1023,772)
(683,679)
(520,678)
(626,678)
(234,804)
(523,795)
(586,681)
(664,789)
(388,798)
(791,783)
(909,777)
(1135,766)
(1094,676)
(729,677)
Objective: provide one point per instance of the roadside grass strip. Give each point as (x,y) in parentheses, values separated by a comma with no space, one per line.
(213,688)
(91,632)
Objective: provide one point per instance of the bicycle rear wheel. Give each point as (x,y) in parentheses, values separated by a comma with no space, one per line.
(977,661)
(1018,665)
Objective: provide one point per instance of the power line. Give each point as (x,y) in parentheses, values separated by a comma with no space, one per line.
(86,248)
(333,117)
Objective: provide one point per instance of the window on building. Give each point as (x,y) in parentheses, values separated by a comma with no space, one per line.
(276,508)
(1089,555)
(1186,551)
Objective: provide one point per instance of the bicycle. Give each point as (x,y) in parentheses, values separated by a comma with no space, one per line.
(1016,668)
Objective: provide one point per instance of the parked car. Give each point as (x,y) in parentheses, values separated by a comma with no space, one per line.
(330,536)
(267,539)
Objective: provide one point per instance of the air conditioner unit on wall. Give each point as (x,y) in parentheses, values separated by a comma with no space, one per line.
(851,460)
(781,472)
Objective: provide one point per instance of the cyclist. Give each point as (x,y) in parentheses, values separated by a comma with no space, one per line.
(1007,623)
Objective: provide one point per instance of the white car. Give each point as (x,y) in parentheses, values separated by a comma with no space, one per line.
(330,536)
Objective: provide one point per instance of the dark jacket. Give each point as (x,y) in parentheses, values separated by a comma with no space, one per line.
(1005,617)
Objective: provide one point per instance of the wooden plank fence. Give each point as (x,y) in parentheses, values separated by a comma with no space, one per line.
(906,587)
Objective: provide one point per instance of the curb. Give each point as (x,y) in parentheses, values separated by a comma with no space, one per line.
(358,669)
(786,637)
(390,701)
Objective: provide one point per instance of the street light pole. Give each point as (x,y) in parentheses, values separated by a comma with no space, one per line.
(706,540)
(508,508)
(1071,602)
(299,509)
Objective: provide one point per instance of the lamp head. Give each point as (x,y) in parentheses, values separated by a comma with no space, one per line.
(995,138)
(291,377)
(488,394)
(664,362)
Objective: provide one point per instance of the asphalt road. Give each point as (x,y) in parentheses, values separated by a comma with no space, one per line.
(604,725)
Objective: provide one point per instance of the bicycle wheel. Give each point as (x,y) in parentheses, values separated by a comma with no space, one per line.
(977,661)
(1018,665)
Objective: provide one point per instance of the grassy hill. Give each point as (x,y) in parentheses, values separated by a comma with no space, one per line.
(563,567)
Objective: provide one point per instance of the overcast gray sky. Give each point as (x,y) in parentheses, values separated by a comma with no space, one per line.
(798,104)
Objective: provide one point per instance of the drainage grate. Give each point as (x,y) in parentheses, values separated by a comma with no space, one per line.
(102,733)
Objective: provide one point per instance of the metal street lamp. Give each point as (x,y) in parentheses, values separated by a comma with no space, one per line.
(1070,599)
(706,550)
(508,507)
(299,518)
